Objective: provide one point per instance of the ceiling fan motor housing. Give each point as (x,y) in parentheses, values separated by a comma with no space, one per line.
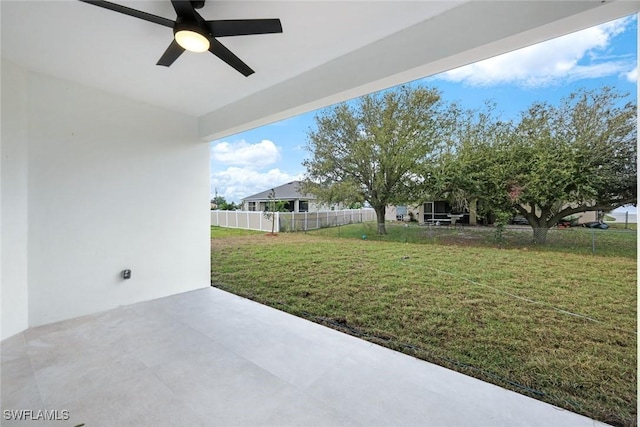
(193,33)
(189,25)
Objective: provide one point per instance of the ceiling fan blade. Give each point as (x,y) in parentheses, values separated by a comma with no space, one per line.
(171,54)
(184,9)
(244,27)
(132,12)
(227,56)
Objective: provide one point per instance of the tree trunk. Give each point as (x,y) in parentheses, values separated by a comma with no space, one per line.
(540,229)
(380,213)
(539,224)
(540,235)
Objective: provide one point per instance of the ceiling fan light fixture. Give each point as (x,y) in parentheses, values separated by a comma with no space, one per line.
(192,41)
(192,32)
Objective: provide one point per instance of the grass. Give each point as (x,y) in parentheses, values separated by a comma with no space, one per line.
(613,242)
(223,232)
(618,226)
(555,326)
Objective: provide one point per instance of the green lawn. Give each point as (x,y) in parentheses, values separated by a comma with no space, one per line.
(222,232)
(618,226)
(578,240)
(557,326)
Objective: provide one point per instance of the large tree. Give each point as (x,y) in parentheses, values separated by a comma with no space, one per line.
(573,158)
(465,169)
(555,161)
(371,150)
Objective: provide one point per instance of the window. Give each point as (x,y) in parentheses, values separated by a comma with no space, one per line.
(442,206)
(252,206)
(288,206)
(401,211)
(303,206)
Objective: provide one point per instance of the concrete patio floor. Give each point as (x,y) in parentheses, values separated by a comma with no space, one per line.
(210,358)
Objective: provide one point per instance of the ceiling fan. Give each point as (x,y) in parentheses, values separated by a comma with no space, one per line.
(191,32)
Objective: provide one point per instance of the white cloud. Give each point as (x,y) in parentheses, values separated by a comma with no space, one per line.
(236,183)
(632,75)
(242,153)
(550,62)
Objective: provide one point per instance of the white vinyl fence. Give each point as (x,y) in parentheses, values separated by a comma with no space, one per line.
(622,218)
(290,221)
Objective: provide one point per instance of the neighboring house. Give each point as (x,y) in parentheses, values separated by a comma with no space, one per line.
(291,193)
(427,212)
(402,213)
(435,211)
(441,211)
(431,212)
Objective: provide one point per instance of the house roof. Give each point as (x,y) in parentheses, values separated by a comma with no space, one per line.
(288,191)
(329,51)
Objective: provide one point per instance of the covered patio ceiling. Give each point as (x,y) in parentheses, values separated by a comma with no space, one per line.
(329,51)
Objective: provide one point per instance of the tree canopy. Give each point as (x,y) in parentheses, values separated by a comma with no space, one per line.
(465,168)
(371,150)
(220,203)
(554,162)
(407,145)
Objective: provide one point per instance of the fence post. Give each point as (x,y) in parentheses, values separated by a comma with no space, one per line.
(593,241)
(626,220)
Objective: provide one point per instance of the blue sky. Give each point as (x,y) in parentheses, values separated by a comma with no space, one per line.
(265,157)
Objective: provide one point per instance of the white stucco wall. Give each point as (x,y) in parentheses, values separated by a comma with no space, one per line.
(13,164)
(111,184)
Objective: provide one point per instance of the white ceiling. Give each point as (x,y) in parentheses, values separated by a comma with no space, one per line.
(98,47)
(329,50)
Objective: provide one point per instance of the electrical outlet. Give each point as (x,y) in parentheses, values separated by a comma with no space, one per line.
(126,274)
